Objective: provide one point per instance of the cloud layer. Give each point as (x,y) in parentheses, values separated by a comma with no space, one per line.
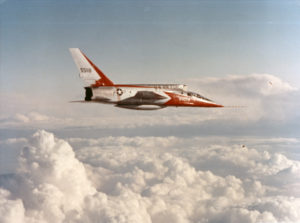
(148,179)
(265,97)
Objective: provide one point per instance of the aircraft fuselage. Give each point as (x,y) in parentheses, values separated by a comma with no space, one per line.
(138,96)
(146,97)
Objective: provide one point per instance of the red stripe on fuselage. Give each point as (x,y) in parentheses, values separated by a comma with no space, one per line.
(187,101)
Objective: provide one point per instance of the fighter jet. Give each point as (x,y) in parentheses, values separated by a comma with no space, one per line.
(101,89)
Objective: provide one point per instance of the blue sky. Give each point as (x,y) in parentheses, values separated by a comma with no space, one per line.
(148,41)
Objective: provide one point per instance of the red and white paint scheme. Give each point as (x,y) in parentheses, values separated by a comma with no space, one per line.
(134,96)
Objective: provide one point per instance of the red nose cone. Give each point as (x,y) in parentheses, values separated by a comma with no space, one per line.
(207,104)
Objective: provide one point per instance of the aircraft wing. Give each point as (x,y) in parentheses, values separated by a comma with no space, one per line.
(142,97)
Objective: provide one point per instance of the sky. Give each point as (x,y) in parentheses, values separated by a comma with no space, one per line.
(69,162)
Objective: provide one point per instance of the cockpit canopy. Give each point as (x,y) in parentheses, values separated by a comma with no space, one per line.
(190,93)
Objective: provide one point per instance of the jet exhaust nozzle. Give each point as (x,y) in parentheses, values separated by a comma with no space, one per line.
(88,94)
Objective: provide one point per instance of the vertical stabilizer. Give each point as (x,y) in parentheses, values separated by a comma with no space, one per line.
(88,71)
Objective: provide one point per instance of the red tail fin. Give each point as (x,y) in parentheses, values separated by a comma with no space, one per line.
(103,81)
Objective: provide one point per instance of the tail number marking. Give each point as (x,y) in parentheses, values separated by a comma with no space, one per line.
(85,70)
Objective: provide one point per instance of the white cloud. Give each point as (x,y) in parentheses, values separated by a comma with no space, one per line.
(54,183)
(21,118)
(265,96)
(120,179)
(35,116)
(12,210)
(29,119)
(53,168)
(245,85)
